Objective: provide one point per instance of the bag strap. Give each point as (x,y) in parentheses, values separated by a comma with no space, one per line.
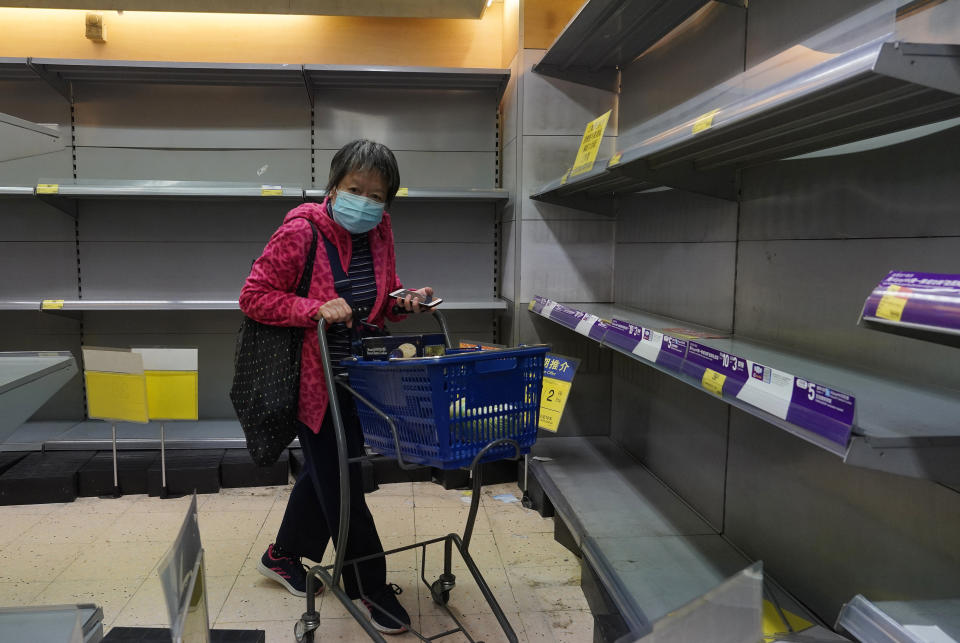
(341,282)
(303,288)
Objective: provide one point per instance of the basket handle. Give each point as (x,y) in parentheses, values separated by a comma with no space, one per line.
(495,365)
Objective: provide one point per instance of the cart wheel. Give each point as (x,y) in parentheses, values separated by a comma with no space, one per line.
(440,596)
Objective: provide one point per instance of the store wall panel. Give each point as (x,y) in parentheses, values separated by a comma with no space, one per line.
(904,190)
(569,260)
(261,166)
(38,270)
(544,159)
(438,222)
(807,295)
(510,104)
(37,169)
(674,215)
(703,52)
(408,119)
(692,282)
(144,115)
(27,219)
(678,432)
(555,107)
(461,271)
(428,169)
(462,324)
(511,178)
(157,270)
(35,101)
(828,531)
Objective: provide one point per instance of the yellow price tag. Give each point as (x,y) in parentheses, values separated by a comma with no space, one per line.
(532,302)
(713,381)
(271,190)
(552,400)
(563,180)
(403,192)
(51,304)
(774,624)
(892,304)
(48,188)
(615,159)
(590,145)
(704,122)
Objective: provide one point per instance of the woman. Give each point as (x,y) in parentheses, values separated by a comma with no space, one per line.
(363,181)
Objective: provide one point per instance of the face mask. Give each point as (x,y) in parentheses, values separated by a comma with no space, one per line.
(357,214)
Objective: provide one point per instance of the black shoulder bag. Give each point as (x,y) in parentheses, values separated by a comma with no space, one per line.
(266,378)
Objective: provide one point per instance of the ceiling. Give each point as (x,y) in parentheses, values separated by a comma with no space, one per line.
(379,8)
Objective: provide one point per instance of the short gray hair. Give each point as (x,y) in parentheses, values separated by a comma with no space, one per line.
(363,154)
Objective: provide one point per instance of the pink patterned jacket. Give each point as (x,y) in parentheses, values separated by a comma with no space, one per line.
(268,294)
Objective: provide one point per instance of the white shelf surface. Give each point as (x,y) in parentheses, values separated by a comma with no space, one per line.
(895,421)
(27,381)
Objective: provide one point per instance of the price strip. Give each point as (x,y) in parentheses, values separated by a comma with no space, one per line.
(536,304)
(918,300)
(569,317)
(590,145)
(892,303)
(48,188)
(707,365)
(647,344)
(558,375)
(586,324)
(548,307)
(705,121)
(403,192)
(271,190)
(51,304)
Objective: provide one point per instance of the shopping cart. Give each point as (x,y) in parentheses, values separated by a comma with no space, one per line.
(462,409)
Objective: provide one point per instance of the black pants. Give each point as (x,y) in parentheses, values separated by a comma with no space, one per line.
(312,517)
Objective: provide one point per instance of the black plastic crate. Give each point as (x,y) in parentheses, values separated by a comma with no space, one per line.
(237,469)
(95,478)
(43,477)
(187,471)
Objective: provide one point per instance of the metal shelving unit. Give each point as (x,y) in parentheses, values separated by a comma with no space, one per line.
(75,189)
(27,381)
(878,72)
(899,621)
(887,434)
(606,35)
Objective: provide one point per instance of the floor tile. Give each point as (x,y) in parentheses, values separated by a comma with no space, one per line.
(147,607)
(59,528)
(515,519)
(483,549)
(31,561)
(393,489)
(558,627)
(105,561)
(87,506)
(231,525)
(547,589)
(111,595)
(256,598)
(483,627)
(407,580)
(13,526)
(154,505)
(218,588)
(225,557)
(532,550)
(17,593)
(30,510)
(394,523)
(145,527)
(440,521)
(466,597)
(246,499)
(440,497)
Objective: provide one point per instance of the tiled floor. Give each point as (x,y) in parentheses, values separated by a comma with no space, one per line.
(106,551)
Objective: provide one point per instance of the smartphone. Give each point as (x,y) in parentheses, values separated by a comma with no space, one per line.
(403,292)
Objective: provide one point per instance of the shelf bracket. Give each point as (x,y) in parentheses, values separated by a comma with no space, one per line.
(935,66)
(308,84)
(601,204)
(607,78)
(931,459)
(721,183)
(67,206)
(58,84)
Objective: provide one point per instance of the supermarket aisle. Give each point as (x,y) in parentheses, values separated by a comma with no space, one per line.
(107,550)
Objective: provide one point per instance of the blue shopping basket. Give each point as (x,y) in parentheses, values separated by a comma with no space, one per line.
(449,408)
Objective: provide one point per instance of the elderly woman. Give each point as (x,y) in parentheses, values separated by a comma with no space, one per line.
(351,223)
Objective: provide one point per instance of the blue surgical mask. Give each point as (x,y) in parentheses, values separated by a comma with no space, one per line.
(357,214)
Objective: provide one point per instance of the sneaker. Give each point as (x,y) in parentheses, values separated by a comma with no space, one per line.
(386,612)
(286,570)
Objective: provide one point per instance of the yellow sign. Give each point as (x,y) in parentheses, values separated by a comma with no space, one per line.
(172,395)
(566,175)
(704,122)
(590,145)
(773,623)
(116,396)
(51,304)
(48,188)
(713,381)
(892,304)
(558,375)
(615,159)
(271,190)
(403,192)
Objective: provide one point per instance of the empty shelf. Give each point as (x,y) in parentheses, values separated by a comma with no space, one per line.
(869,75)
(606,35)
(16,190)
(179,73)
(195,434)
(493,195)
(54,305)
(89,189)
(897,427)
(900,621)
(377,76)
(27,381)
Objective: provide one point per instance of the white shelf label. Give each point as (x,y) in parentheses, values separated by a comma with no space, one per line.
(767,389)
(548,308)
(649,346)
(586,324)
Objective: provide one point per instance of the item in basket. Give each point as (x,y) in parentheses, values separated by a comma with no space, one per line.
(404,350)
(480,416)
(434,350)
(391,346)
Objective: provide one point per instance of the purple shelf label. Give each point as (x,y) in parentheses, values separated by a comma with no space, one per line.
(647,343)
(916,298)
(623,335)
(730,371)
(569,317)
(537,304)
(823,410)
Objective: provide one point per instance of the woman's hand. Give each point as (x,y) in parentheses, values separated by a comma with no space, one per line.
(411,304)
(336,310)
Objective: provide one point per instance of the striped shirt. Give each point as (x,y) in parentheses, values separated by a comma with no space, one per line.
(364,293)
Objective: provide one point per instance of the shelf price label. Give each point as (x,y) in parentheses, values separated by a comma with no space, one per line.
(615,159)
(922,300)
(271,190)
(51,304)
(48,188)
(713,381)
(403,192)
(647,344)
(892,303)
(558,372)
(705,121)
(590,145)
(717,371)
